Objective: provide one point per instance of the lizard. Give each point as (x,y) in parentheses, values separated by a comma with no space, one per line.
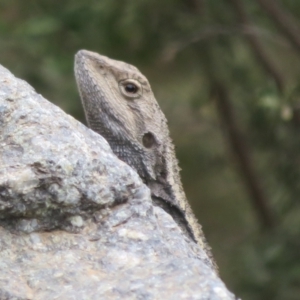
(119,105)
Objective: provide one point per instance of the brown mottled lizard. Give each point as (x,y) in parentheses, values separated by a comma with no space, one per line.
(119,104)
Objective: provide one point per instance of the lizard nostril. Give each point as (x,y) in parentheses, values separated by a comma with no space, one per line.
(148,140)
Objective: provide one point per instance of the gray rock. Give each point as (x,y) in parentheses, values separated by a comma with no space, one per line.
(76,222)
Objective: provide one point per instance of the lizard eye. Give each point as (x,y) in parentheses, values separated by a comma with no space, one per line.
(130,88)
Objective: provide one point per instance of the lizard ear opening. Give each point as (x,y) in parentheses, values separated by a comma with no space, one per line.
(148,140)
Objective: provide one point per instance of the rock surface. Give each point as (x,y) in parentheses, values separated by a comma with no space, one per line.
(76,222)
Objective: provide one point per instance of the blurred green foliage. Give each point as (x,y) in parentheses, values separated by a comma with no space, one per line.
(38,40)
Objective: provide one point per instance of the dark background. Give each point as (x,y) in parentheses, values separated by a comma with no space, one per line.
(226,74)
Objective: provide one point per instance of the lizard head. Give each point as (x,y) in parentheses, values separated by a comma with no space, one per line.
(119,105)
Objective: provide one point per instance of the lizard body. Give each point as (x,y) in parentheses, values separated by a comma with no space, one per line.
(119,104)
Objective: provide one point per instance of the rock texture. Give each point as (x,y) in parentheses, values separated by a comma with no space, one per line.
(76,222)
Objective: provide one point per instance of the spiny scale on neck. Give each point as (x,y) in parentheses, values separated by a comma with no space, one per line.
(119,105)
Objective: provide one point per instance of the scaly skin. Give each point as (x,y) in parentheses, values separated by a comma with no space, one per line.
(119,104)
